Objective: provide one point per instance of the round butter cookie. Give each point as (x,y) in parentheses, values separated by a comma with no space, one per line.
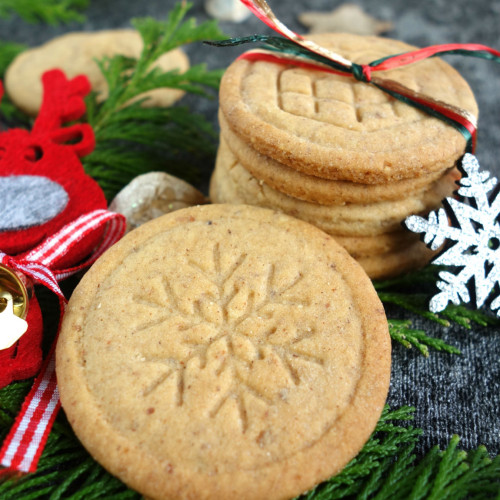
(322,191)
(231,183)
(336,127)
(75,54)
(223,352)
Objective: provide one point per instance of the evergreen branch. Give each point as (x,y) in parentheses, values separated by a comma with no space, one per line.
(8,52)
(158,38)
(386,467)
(424,281)
(362,474)
(132,139)
(425,276)
(47,11)
(464,316)
(415,303)
(401,332)
(449,474)
(175,32)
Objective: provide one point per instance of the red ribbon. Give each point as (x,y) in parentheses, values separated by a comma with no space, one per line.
(23,446)
(459,118)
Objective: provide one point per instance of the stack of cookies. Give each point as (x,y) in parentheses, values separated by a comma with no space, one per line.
(340,153)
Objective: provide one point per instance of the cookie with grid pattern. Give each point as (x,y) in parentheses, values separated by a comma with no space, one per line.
(335,127)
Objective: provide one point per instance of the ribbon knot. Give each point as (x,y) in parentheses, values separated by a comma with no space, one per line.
(41,263)
(362,72)
(36,271)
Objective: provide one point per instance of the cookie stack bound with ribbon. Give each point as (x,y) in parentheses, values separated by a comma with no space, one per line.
(339,152)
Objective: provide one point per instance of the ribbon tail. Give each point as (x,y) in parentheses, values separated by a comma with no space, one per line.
(26,440)
(463,121)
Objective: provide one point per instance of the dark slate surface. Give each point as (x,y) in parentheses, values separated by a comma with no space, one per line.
(452,394)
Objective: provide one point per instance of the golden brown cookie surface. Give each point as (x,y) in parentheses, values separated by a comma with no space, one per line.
(231,183)
(338,128)
(224,352)
(314,189)
(75,54)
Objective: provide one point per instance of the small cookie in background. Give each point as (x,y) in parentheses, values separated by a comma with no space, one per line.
(153,194)
(75,53)
(227,10)
(347,18)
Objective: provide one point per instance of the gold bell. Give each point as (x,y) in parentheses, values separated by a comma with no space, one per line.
(15,292)
(19,287)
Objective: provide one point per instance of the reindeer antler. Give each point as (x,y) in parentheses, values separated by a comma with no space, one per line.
(62,99)
(63,102)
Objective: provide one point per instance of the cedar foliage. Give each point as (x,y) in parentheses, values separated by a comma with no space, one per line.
(9,113)
(386,467)
(131,139)
(411,292)
(47,11)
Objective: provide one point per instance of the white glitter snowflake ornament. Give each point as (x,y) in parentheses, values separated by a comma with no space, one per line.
(472,222)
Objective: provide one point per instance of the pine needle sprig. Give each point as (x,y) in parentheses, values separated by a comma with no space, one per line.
(412,292)
(425,277)
(8,51)
(11,398)
(132,139)
(128,78)
(416,303)
(46,11)
(362,474)
(464,316)
(65,470)
(394,473)
(401,331)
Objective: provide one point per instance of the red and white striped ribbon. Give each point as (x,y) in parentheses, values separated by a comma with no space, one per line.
(24,445)
(26,440)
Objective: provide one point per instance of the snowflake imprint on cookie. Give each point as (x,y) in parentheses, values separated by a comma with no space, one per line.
(238,331)
(475,231)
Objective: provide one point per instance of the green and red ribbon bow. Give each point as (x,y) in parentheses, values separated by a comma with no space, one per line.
(294,49)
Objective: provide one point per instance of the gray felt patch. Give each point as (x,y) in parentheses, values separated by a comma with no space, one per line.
(29,200)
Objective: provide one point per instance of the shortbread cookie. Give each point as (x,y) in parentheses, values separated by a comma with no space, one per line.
(335,127)
(369,246)
(231,183)
(75,54)
(317,190)
(394,263)
(223,352)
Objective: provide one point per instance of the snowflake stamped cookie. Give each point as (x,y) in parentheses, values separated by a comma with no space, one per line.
(224,351)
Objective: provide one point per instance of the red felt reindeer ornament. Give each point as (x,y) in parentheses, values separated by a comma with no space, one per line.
(43,187)
(53,223)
